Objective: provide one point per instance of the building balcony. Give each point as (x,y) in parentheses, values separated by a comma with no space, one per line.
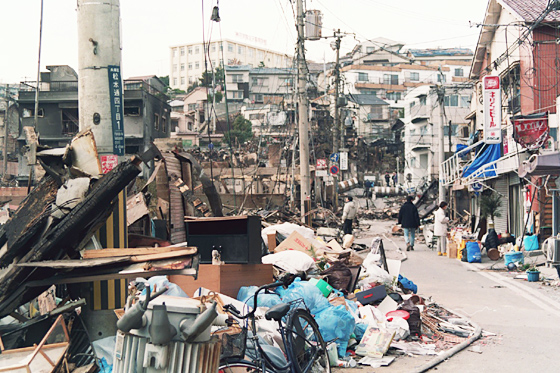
(418,112)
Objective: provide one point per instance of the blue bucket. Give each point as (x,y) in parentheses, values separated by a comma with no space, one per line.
(513,257)
(533,276)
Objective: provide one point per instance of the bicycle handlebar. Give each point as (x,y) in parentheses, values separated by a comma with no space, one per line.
(231,308)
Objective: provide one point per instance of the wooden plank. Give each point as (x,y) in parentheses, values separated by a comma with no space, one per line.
(172,254)
(106,253)
(76,263)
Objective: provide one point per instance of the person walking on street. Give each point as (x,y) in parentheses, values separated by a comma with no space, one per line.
(395,179)
(387,178)
(440,228)
(409,221)
(348,215)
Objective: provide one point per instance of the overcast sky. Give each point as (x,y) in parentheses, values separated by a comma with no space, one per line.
(149,27)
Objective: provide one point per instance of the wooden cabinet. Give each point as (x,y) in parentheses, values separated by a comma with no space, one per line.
(226,278)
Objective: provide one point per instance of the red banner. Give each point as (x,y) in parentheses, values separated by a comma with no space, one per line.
(531,131)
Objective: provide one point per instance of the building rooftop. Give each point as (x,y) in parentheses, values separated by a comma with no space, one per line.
(531,10)
(362,99)
(440,52)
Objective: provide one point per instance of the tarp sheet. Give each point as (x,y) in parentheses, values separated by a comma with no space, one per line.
(489,154)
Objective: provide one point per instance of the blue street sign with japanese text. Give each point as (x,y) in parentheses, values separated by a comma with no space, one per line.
(117,108)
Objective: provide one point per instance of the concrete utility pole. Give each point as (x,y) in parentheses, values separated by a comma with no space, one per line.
(5,147)
(303,123)
(99,48)
(336,125)
(441,151)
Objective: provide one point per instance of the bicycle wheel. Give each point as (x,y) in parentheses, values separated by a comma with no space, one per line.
(306,349)
(241,366)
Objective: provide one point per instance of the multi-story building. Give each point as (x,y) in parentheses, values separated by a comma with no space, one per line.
(188,60)
(259,85)
(424,121)
(518,43)
(146,112)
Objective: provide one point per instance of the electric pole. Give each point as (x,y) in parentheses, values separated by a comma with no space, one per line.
(5,147)
(303,122)
(441,152)
(336,125)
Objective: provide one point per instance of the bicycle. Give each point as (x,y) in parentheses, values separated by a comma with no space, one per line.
(305,349)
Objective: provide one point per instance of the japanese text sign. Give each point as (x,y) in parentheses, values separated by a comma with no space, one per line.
(117,110)
(492,109)
(531,131)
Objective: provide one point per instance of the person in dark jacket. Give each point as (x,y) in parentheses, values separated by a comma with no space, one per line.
(409,221)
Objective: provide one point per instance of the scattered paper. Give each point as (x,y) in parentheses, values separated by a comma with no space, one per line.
(387,305)
(377,362)
(375,342)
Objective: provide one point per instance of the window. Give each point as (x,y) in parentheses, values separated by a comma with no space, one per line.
(221,47)
(250,52)
(191,107)
(196,65)
(257,98)
(190,65)
(213,47)
(370,49)
(465,101)
(451,100)
(174,81)
(453,130)
(422,100)
(132,111)
(164,125)
(258,116)
(369,92)
(174,67)
(240,49)
(29,113)
(440,78)
(414,77)
(182,67)
(390,79)
(237,94)
(196,50)
(174,52)
(363,77)
(261,82)
(412,104)
(182,51)
(230,47)
(394,96)
(424,161)
(70,121)
(289,82)
(459,72)
(236,78)
(190,50)
(260,55)
(182,80)
(156,122)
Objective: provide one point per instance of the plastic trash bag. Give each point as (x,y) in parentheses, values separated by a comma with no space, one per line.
(336,323)
(400,326)
(159,282)
(246,294)
(311,295)
(407,284)
(473,252)
(359,330)
(291,261)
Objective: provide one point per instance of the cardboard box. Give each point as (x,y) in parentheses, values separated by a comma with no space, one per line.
(295,241)
(375,342)
(372,295)
(452,249)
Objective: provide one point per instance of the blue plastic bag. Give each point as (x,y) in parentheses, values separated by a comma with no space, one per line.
(531,243)
(246,294)
(473,252)
(311,295)
(360,330)
(407,284)
(336,322)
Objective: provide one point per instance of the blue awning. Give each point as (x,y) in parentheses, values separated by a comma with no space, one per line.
(489,154)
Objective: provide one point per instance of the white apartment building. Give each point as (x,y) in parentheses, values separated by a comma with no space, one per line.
(187,61)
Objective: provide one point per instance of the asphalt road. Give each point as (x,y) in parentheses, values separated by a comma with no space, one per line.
(525,316)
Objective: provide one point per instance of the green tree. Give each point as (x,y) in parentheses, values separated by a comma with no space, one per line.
(241,131)
(219,96)
(206,78)
(171,92)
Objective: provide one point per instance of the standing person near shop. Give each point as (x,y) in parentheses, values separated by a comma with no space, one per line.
(409,221)
(348,215)
(387,178)
(440,228)
(395,179)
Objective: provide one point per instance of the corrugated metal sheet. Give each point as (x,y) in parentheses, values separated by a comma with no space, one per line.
(546,62)
(176,208)
(501,222)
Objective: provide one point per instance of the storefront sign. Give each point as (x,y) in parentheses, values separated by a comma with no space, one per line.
(321,164)
(492,110)
(117,110)
(108,162)
(343,161)
(531,131)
